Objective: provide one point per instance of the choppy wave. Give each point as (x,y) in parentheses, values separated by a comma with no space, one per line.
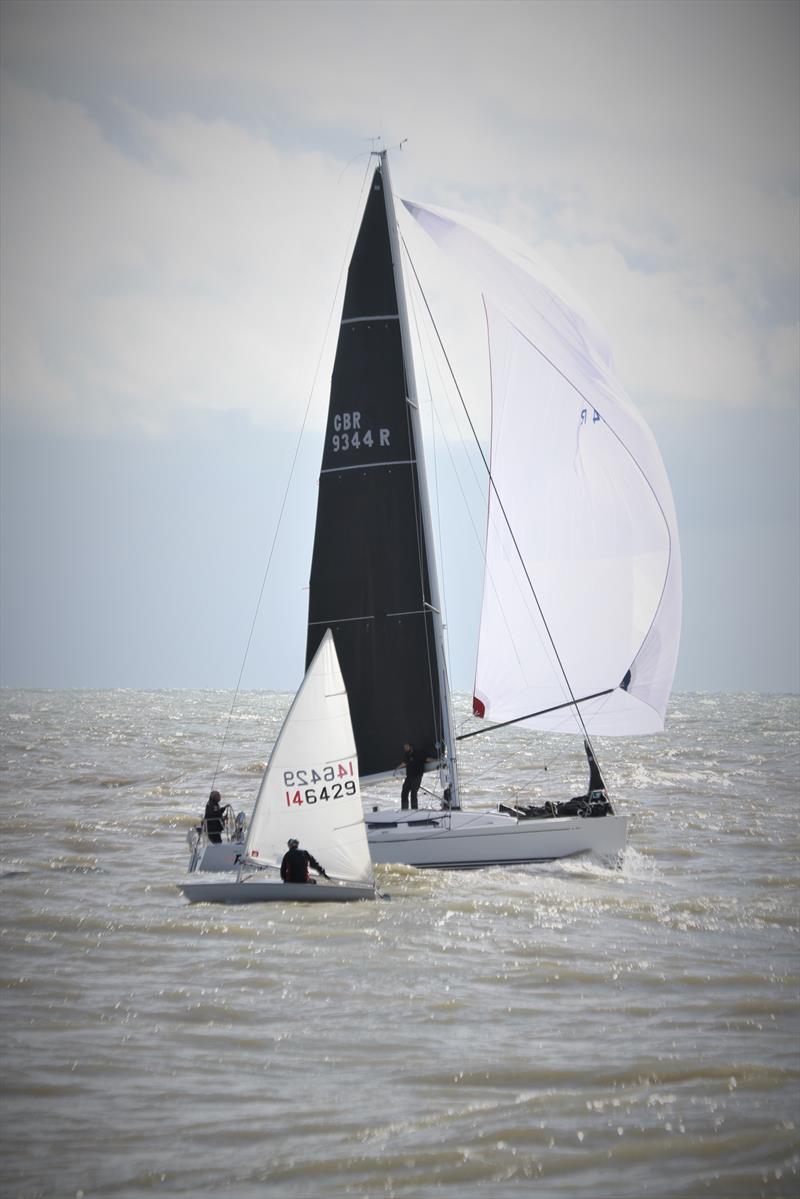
(564,1030)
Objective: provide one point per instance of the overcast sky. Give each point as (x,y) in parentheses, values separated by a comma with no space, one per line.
(178,194)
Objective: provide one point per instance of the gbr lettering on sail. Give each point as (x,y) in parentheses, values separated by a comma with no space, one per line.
(348,433)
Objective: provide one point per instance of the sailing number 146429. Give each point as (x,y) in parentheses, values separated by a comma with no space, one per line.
(319,785)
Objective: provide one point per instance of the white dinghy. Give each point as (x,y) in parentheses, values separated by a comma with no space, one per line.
(310,791)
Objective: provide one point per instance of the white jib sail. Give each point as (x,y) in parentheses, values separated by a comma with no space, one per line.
(310,789)
(579,481)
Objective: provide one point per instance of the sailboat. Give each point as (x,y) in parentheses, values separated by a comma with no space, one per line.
(580,619)
(310,792)
(581,611)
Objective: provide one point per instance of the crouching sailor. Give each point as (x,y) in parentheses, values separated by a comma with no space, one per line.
(295,864)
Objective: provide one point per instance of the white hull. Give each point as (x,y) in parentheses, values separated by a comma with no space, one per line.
(273,891)
(467,840)
(226,855)
(461,840)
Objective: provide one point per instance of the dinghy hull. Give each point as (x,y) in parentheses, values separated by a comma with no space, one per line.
(263,891)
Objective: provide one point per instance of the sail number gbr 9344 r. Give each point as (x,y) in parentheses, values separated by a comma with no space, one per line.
(321,784)
(349,435)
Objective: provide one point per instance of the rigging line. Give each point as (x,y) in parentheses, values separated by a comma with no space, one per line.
(422,563)
(522,561)
(530,715)
(289,480)
(433,439)
(499,500)
(489,577)
(423,569)
(481,541)
(627,451)
(447,360)
(435,470)
(355,158)
(434,685)
(438,421)
(492,483)
(457,424)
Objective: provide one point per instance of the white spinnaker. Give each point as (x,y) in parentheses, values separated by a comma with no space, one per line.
(310,789)
(578,479)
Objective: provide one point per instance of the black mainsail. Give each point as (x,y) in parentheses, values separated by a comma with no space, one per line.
(370,578)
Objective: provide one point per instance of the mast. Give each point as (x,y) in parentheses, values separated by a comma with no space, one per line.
(450,776)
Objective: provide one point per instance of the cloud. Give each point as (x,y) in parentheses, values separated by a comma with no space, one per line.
(136,289)
(174,224)
(175,218)
(681,337)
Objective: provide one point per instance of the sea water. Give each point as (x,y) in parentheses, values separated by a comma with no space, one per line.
(569,1029)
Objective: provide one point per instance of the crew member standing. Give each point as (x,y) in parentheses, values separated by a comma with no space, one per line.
(414,762)
(214,817)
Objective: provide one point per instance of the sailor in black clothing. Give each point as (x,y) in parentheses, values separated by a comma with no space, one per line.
(214,817)
(295,864)
(414,762)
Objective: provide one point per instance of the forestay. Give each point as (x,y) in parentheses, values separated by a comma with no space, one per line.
(310,789)
(580,511)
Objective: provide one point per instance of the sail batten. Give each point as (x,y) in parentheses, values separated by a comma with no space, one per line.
(369,466)
(355,320)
